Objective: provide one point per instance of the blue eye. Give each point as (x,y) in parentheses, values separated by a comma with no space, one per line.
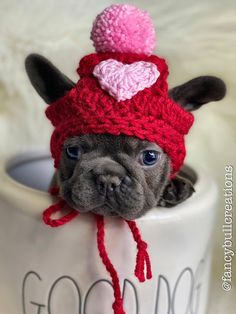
(150,157)
(73,152)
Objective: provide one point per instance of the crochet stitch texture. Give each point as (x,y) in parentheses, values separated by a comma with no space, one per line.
(123,28)
(149,115)
(123,81)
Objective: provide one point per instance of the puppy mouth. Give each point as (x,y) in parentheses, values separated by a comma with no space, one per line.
(104,210)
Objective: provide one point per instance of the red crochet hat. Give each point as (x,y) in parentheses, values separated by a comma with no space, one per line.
(122,89)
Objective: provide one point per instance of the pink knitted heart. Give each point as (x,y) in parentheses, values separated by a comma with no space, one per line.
(123,81)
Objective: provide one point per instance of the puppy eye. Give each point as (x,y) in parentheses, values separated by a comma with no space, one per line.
(149,157)
(73,152)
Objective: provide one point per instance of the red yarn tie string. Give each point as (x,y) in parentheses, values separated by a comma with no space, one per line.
(56,208)
(142,258)
(142,255)
(118,304)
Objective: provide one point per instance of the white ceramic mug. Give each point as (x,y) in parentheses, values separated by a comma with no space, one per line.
(47,270)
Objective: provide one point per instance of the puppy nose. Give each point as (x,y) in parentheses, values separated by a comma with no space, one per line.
(107,183)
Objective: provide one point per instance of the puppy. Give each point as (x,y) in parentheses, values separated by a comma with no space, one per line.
(118,175)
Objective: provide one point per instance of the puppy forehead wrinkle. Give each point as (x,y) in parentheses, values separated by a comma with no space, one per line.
(149,146)
(131,144)
(80,140)
(111,145)
(106,159)
(70,141)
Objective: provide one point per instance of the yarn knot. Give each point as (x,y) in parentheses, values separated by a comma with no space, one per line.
(142,246)
(142,259)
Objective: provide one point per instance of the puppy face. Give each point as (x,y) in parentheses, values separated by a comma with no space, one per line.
(112,175)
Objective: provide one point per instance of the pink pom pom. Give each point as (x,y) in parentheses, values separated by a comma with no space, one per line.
(123,28)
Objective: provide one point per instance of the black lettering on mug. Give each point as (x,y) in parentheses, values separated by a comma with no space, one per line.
(53,289)
(90,289)
(25,280)
(40,306)
(197,287)
(134,290)
(189,271)
(163,282)
(191,282)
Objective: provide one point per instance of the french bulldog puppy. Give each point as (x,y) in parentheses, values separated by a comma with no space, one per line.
(118,175)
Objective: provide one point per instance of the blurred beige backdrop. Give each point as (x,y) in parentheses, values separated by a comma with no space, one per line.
(196,37)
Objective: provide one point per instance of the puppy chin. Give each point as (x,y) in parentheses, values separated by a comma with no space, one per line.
(102,208)
(108,211)
(131,215)
(104,211)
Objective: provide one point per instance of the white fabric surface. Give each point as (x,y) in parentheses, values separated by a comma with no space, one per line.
(196,37)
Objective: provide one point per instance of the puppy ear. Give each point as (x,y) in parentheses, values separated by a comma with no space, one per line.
(48,81)
(176,191)
(197,92)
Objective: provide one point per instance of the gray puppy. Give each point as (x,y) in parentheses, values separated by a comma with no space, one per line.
(118,175)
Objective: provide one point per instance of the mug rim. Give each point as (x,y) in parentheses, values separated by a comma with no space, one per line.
(34,201)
